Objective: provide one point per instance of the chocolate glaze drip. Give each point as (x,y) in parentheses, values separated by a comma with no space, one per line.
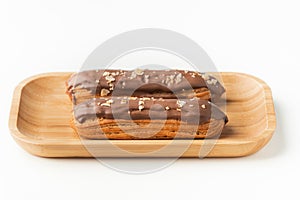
(124,83)
(148,108)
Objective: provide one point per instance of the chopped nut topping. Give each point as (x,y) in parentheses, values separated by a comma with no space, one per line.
(146,78)
(193,75)
(178,109)
(167,108)
(178,78)
(133,98)
(105,73)
(180,103)
(141,107)
(110,101)
(203,106)
(141,102)
(212,81)
(139,71)
(111,86)
(98,103)
(191,105)
(104,92)
(170,79)
(133,75)
(97,81)
(123,84)
(186,71)
(110,78)
(105,104)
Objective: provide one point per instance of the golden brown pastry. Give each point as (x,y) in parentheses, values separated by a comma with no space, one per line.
(147,118)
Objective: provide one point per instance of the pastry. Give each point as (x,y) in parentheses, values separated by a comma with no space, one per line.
(169,84)
(147,118)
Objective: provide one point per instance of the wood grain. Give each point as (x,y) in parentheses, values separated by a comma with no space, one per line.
(41,112)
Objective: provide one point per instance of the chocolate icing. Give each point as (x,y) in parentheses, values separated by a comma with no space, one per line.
(148,108)
(141,82)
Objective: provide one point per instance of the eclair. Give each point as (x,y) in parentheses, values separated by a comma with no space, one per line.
(167,84)
(147,118)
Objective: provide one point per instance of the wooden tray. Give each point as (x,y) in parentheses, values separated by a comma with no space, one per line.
(41,112)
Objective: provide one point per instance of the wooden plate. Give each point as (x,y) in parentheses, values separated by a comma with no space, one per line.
(41,112)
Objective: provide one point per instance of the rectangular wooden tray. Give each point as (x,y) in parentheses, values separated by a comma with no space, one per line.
(41,112)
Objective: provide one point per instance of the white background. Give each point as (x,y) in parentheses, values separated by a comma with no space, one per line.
(256,37)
